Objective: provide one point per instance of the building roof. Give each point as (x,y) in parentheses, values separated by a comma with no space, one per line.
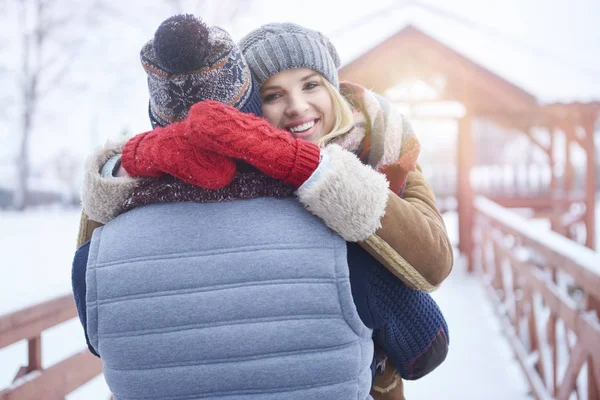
(546,52)
(412,54)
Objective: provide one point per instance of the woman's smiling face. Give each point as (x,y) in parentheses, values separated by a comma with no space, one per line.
(296,100)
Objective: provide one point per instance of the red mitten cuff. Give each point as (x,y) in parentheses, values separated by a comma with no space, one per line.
(307,160)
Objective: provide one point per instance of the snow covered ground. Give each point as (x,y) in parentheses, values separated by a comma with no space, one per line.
(480,363)
(37,248)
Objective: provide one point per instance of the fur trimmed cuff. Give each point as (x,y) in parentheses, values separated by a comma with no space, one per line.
(348,196)
(103,197)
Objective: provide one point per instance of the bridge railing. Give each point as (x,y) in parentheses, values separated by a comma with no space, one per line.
(33,382)
(546,291)
(499,180)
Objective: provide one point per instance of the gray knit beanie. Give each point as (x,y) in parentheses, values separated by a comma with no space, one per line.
(187,62)
(277,47)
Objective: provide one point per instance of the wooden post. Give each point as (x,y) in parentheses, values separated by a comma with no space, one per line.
(590,181)
(589,123)
(534,341)
(552,320)
(593,389)
(554,190)
(569,183)
(568,129)
(464,191)
(35,354)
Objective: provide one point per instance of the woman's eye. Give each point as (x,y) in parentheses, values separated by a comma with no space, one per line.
(311,85)
(270,97)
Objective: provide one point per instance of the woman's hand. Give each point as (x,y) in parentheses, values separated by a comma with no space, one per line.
(168,150)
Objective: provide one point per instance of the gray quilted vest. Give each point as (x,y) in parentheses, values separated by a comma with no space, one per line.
(239,300)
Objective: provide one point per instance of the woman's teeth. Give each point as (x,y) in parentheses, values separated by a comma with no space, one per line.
(304,127)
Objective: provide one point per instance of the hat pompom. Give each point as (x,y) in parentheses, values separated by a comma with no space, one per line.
(181,43)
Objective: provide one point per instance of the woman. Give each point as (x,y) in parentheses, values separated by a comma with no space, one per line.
(412,241)
(306,163)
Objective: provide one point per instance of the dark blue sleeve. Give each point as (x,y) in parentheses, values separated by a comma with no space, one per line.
(78,283)
(407,324)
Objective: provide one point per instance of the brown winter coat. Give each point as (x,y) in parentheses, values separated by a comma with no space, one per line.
(412,241)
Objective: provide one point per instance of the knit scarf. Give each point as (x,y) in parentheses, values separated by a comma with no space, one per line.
(246,184)
(381,138)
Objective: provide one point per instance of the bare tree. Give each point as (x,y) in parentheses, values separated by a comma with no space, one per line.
(66,167)
(50,37)
(4,98)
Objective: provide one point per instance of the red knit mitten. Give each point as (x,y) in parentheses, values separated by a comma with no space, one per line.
(167,151)
(222,129)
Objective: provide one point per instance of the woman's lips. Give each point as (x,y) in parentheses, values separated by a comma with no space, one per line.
(307,133)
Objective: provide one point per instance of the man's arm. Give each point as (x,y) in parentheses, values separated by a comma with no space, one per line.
(104,193)
(79,287)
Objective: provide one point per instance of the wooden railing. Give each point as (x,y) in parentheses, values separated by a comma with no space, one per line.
(504,182)
(33,382)
(546,291)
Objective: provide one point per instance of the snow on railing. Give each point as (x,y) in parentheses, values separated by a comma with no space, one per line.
(546,289)
(570,255)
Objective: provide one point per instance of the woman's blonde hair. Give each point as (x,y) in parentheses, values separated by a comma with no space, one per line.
(342,112)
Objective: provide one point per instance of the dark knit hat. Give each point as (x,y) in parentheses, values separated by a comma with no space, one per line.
(276,47)
(188,62)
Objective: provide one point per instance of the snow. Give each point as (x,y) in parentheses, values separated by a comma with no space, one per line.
(480,363)
(38,247)
(587,259)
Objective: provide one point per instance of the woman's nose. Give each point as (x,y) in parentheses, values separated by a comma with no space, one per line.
(296,106)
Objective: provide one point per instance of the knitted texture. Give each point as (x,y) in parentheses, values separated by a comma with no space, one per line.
(381,138)
(186,62)
(225,130)
(244,186)
(277,47)
(168,151)
(420,342)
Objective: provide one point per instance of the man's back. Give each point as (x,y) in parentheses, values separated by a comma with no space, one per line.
(249,299)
